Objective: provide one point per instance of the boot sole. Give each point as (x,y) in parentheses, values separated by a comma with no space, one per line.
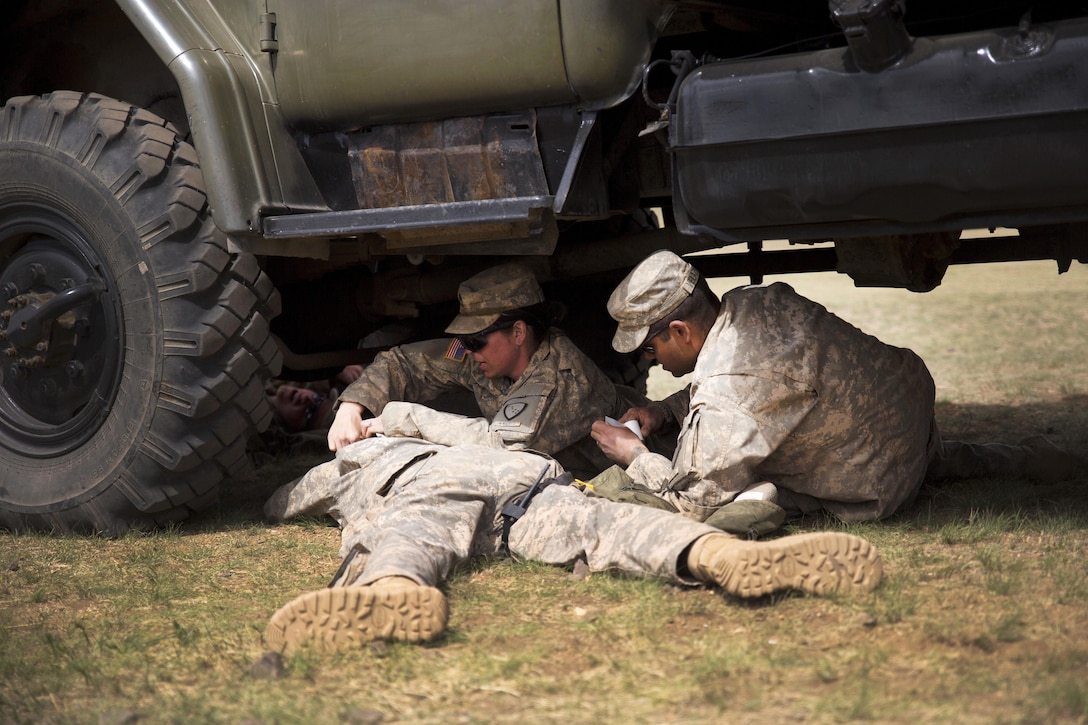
(817,563)
(341,618)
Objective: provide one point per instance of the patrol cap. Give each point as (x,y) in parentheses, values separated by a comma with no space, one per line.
(485,296)
(647,295)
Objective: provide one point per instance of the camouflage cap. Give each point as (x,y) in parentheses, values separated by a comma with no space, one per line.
(487,295)
(647,295)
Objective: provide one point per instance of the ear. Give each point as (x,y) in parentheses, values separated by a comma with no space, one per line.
(681,330)
(519,332)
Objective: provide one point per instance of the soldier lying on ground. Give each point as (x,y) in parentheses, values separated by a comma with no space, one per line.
(299,407)
(301,415)
(790,401)
(410,510)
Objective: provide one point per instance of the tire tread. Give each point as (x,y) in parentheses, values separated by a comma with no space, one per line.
(214,304)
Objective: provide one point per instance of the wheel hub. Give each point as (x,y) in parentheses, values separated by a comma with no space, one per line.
(60,344)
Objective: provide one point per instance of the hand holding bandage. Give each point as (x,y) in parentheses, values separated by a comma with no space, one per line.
(650,418)
(620,442)
(631,425)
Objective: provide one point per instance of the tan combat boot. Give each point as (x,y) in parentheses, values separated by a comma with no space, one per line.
(340,618)
(818,563)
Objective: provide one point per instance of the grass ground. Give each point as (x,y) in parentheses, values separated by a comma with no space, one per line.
(981,618)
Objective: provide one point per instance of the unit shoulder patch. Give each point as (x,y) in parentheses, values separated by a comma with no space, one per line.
(514,409)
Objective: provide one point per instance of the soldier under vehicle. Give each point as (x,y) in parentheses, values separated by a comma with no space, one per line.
(301,415)
(300,407)
(789,400)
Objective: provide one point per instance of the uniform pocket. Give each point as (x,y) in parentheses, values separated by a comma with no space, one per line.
(518,417)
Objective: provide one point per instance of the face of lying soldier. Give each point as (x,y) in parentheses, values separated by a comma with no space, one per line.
(300,409)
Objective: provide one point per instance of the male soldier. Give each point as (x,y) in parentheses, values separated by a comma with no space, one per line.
(786,395)
(410,510)
(535,388)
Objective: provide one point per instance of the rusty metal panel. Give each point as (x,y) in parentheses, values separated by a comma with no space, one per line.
(464,159)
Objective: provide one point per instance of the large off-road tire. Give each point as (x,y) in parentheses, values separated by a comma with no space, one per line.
(133,342)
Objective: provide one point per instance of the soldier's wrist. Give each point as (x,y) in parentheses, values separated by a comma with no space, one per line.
(636,452)
(353,407)
(662,410)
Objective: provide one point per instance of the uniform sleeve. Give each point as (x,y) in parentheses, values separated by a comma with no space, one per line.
(411,420)
(512,429)
(734,423)
(677,404)
(523,416)
(419,371)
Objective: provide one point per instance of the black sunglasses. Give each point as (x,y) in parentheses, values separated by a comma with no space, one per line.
(655,331)
(311,410)
(478,341)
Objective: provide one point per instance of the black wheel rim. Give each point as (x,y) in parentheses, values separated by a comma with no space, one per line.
(59,377)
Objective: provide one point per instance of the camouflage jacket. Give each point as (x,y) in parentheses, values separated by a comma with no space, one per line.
(550,408)
(786,392)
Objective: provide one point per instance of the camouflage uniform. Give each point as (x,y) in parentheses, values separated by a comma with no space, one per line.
(550,408)
(776,395)
(785,392)
(415,509)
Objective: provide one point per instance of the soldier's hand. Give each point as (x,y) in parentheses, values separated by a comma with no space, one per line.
(650,418)
(373,427)
(349,374)
(619,444)
(347,427)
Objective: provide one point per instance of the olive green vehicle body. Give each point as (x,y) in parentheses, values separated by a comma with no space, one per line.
(200,194)
(250,73)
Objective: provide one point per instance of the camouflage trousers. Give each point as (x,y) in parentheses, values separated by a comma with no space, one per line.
(416,509)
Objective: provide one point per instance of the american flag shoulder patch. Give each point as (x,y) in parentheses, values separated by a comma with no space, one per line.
(456,351)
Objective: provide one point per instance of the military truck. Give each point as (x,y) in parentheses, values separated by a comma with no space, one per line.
(196,196)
